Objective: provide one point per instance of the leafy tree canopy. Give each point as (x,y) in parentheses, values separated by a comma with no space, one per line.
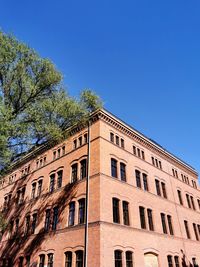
(34,106)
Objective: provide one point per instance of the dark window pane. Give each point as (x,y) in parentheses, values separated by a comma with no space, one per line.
(68,259)
(114,168)
(163,190)
(52,183)
(180,197)
(142,217)
(150,219)
(118,258)
(169,219)
(47,220)
(71,213)
(55,218)
(123,171)
(59,181)
(188,201)
(138,179)
(170,262)
(21,260)
(83,169)
(42,260)
(145,182)
(79,258)
(50,260)
(122,143)
(27,225)
(129,259)
(163,220)
(34,223)
(116,216)
(125,212)
(39,187)
(74,172)
(158,187)
(187,229)
(195,231)
(176,260)
(117,140)
(81,211)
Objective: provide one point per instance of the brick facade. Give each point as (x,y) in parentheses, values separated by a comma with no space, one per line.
(45,209)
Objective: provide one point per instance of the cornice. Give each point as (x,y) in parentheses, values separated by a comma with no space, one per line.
(121,126)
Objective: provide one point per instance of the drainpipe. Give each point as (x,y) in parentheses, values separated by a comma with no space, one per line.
(87,200)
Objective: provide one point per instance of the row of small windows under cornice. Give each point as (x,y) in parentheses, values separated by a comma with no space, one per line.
(42,161)
(155,161)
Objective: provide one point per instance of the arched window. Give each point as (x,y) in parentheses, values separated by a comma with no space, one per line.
(79,258)
(129,259)
(116,215)
(150,260)
(71,213)
(114,168)
(118,258)
(81,211)
(50,260)
(42,260)
(83,173)
(68,259)
(169,260)
(59,181)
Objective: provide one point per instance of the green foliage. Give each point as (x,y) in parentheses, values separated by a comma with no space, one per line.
(34,107)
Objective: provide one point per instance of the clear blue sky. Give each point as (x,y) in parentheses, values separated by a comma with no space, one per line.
(142,57)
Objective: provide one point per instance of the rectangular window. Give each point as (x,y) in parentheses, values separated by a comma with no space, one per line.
(55,218)
(52,183)
(34,223)
(158,187)
(68,259)
(123,171)
(163,190)
(188,201)
(117,140)
(143,156)
(21,260)
(163,220)
(192,201)
(150,219)
(50,260)
(114,168)
(122,143)
(79,258)
(81,211)
(54,155)
(75,144)
(138,179)
(42,260)
(187,229)
(180,197)
(153,161)
(71,213)
(80,141)
(116,216)
(138,153)
(142,217)
(85,138)
(125,212)
(33,190)
(74,172)
(83,169)
(169,219)
(170,262)
(176,260)
(145,182)
(118,258)
(39,187)
(129,259)
(47,220)
(134,150)
(27,224)
(160,164)
(63,150)
(58,153)
(60,176)
(195,231)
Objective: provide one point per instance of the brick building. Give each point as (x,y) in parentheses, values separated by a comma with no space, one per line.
(144,202)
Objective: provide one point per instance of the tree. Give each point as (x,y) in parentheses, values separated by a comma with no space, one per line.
(34,106)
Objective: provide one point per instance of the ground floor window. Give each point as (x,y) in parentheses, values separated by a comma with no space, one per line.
(150,260)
